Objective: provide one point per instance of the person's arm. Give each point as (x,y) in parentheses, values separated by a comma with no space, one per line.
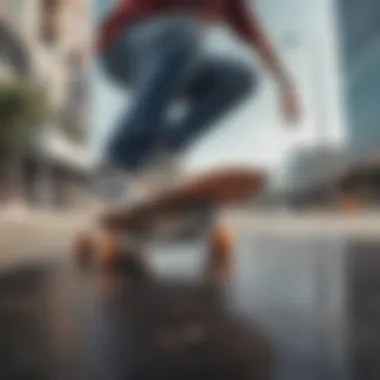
(249,28)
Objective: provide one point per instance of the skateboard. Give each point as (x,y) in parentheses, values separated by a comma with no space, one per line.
(198,198)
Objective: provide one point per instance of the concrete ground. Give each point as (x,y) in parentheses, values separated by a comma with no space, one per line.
(311,282)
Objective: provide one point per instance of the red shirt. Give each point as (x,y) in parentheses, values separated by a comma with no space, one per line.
(236,13)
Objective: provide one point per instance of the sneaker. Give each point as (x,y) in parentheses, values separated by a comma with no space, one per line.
(117,187)
(163,171)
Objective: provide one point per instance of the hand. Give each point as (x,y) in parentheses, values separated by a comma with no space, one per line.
(290,104)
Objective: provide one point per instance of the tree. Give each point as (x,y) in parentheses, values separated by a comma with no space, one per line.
(23,110)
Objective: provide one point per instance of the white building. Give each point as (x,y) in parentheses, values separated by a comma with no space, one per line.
(55,37)
(308,37)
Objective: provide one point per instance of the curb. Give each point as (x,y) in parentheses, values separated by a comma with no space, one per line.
(34,237)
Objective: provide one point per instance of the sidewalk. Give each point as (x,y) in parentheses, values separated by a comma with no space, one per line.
(34,235)
(366,224)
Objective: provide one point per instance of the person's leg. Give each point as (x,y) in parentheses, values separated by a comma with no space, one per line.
(218,87)
(163,53)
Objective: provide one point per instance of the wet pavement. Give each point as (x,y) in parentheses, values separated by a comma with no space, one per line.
(297,308)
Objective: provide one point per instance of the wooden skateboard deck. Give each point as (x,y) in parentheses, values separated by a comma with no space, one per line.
(200,197)
(209,191)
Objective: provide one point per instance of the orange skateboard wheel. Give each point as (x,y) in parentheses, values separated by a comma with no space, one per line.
(84,246)
(221,247)
(219,267)
(223,240)
(110,248)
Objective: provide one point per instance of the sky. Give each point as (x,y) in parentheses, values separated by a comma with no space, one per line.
(304,33)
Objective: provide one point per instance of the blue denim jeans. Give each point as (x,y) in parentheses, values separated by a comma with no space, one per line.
(161,62)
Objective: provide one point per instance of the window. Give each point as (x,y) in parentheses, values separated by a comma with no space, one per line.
(49,21)
(363,107)
(359,25)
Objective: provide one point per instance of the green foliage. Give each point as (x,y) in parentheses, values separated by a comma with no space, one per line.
(23,109)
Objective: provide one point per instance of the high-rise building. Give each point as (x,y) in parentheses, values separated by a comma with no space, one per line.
(360,41)
(55,36)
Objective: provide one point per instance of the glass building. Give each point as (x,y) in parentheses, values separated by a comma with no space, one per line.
(360,36)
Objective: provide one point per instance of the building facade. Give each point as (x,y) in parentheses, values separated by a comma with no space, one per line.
(55,38)
(313,175)
(360,43)
(360,48)
(350,170)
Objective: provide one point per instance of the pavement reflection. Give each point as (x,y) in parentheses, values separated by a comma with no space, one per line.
(295,308)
